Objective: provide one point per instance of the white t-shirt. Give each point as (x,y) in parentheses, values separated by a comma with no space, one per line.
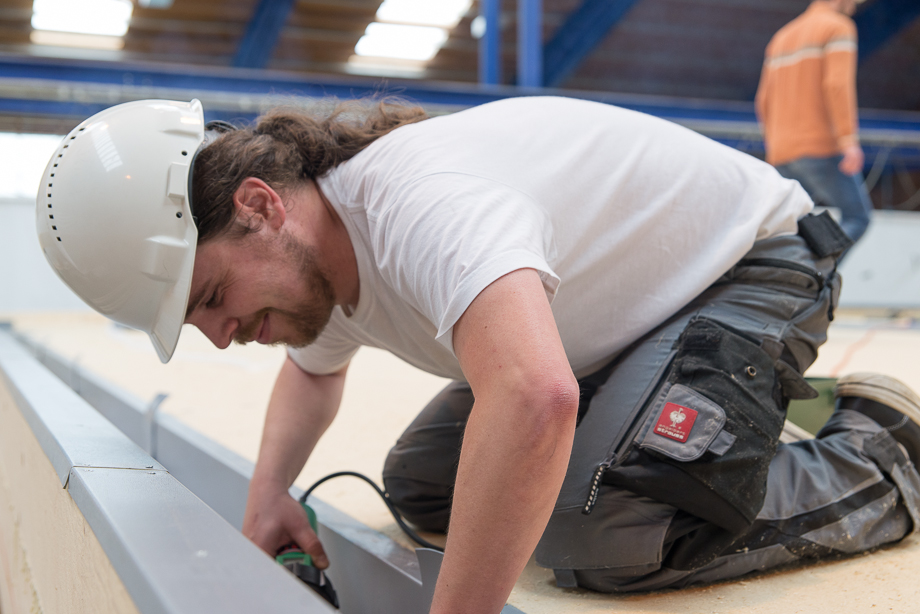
(625,217)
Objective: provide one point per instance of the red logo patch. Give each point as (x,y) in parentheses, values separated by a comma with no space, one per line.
(675,422)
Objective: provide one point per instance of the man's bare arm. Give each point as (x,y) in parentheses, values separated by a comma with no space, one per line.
(301,408)
(839,85)
(516,445)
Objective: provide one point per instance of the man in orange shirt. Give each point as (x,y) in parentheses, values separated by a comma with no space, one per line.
(807,105)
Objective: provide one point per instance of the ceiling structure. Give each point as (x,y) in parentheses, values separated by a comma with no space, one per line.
(685,48)
(696,61)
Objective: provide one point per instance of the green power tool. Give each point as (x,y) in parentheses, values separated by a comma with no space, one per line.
(301,565)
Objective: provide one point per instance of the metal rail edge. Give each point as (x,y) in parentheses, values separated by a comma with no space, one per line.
(371,572)
(173,553)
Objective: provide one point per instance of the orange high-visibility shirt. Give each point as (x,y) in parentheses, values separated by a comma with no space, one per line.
(806,100)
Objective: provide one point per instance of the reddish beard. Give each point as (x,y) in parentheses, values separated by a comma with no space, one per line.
(309,319)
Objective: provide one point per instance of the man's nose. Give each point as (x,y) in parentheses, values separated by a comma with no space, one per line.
(219,330)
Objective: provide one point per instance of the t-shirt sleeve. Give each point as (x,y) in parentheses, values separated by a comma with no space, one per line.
(450,235)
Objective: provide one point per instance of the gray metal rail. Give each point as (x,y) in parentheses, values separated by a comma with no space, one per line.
(371,572)
(173,553)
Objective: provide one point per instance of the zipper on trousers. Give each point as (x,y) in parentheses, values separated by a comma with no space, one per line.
(624,440)
(617,455)
(595,486)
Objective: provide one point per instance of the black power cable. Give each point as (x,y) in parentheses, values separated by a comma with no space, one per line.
(386,499)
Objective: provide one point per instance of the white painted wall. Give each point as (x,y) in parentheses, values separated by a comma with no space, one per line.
(27,282)
(881,271)
(883,268)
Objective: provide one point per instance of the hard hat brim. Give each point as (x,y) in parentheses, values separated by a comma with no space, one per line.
(166,330)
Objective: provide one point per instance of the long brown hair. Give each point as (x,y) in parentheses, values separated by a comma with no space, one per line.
(285,148)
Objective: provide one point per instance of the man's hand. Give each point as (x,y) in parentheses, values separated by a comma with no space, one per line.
(274,519)
(853,160)
(301,408)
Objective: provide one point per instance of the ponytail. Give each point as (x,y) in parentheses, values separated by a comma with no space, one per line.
(285,148)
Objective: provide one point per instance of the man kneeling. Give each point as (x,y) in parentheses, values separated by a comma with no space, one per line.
(626,306)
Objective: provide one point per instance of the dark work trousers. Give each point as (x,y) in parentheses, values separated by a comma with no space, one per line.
(676,475)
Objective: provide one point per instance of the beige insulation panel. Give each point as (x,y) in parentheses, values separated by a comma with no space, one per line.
(50,560)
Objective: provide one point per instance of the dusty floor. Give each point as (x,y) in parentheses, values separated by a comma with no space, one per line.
(223,395)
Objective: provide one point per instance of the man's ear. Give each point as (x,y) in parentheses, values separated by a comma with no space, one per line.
(257,204)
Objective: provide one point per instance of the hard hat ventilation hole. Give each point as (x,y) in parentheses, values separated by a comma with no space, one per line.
(179,214)
(184,153)
(60,154)
(59,238)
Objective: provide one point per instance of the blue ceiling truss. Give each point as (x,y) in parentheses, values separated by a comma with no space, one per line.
(72,90)
(530,43)
(882,20)
(584,29)
(131,80)
(589,24)
(262,33)
(490,60)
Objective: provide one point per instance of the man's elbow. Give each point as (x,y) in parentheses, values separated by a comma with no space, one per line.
(563,396)
(552,403)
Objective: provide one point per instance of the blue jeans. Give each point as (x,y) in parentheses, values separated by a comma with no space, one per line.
(828,187)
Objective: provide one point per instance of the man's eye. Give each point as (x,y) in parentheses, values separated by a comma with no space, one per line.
(213,302)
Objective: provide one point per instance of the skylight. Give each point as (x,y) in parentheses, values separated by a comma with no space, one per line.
(442,13)
(403,42)
(410,30)
(94,23)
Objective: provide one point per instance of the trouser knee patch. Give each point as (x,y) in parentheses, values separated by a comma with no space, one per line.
(710,433)
(425,505)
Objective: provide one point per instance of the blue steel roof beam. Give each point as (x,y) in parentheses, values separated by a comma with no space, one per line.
(585,28)
(490,58)
(530,43)
(880,21)
(56,87)
(262,33)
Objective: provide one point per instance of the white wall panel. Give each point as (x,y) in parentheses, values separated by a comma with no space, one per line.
(27,282)
(883,268)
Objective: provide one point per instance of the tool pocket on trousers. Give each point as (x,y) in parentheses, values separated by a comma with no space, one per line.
(708,435)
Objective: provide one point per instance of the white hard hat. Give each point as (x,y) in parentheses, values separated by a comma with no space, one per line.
(114,217)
